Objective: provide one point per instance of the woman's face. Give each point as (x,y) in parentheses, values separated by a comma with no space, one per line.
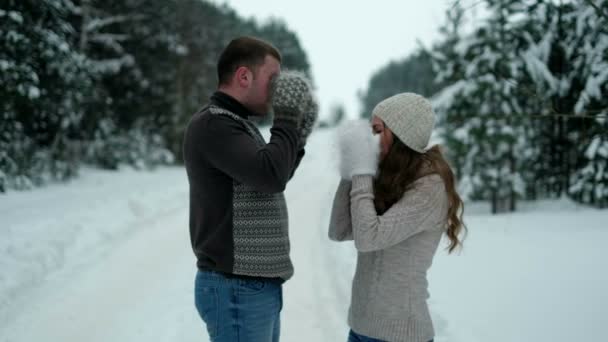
(386,136)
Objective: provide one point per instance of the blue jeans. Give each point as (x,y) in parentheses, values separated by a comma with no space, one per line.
(237,309)
(354,337)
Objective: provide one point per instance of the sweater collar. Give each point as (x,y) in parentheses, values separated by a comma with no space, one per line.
(228,102)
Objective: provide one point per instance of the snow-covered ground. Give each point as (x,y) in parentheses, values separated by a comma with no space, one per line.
(107,258)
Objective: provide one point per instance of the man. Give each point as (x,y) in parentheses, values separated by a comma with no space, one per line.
(238,214)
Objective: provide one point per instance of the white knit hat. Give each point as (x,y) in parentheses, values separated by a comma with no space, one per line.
(410,117)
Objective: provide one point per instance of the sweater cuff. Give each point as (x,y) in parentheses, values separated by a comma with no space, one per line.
(286,125)
(362,183)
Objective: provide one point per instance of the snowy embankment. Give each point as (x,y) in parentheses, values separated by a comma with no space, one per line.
(107,258)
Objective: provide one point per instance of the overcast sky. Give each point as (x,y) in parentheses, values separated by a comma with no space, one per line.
(347,41)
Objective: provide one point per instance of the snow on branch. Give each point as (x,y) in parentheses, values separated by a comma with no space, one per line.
(113,66)
(97,24)
(111,41)
(109,37)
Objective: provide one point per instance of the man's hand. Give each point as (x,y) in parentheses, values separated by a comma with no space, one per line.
(291,96)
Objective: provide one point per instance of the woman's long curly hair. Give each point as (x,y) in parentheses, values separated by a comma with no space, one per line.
(401,167)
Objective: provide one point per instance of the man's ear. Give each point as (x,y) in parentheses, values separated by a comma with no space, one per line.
(243,76)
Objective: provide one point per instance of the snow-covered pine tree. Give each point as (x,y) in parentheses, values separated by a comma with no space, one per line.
(202,29)
(484,131)
(414,73)
(106,34)
(101,37)
(44,80)
(588,53)
(558,75)
(565,69)
(452,107)
(542,166)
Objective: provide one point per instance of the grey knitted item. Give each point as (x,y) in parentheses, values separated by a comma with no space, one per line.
(291,96)
(261,225)
(410,117)
(395,250)
(309,118)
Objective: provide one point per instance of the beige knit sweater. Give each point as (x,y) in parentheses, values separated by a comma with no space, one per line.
(395,250)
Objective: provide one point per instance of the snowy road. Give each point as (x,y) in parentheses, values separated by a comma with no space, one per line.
(138,288)
(139,285)
(107,258)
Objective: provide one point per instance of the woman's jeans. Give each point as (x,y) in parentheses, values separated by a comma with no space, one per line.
(238,309)
(354,337)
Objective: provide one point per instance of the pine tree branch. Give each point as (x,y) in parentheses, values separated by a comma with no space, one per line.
(528,90)
(458,3)
(97,24)
(597,9)
(109,37)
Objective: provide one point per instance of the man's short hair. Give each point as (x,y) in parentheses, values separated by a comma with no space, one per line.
(243,51)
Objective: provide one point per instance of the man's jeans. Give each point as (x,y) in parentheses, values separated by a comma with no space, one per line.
(354,337)
(237,309)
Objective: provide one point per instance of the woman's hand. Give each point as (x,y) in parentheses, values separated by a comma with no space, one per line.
(359,149)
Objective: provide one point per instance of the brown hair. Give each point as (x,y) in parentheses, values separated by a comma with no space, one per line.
(243,51)
(401,167)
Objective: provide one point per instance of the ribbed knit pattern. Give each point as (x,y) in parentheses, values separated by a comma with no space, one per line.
(410,117)
(260,224)
(395,250)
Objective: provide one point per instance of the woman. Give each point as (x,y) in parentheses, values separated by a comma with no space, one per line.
(395,200)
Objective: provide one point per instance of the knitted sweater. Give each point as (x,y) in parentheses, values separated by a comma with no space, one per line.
(238,214)
(395,250)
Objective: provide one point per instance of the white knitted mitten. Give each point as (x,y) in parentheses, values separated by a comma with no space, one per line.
(359,149)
